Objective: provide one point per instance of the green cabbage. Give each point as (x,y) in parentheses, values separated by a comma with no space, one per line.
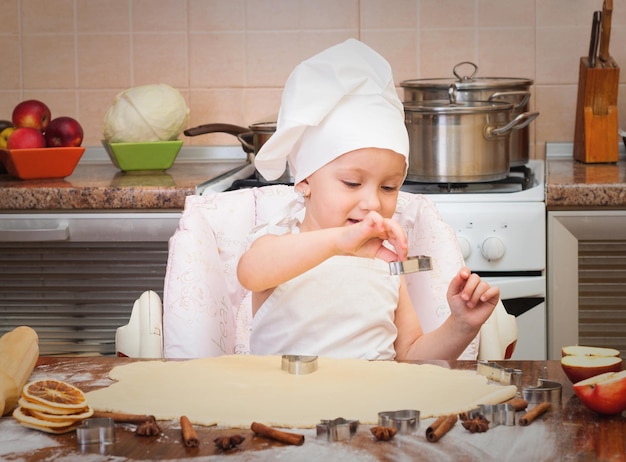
(155,112)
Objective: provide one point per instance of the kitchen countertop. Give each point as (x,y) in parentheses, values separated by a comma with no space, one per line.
(574,185)
(99,185)
(568,431)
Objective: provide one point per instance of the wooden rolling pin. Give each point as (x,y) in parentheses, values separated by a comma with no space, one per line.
(19,351)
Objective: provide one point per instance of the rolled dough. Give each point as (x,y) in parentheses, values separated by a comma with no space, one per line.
(235,390)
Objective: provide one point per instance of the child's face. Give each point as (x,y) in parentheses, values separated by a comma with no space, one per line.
(343,191)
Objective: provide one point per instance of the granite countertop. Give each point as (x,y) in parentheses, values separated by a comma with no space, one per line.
(574,185)
(101,186)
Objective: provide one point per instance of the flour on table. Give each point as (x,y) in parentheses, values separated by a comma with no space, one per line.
(236,390)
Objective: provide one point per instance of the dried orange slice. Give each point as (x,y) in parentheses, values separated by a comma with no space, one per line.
(27,420)
(59,418)
(47,409)
(55,394)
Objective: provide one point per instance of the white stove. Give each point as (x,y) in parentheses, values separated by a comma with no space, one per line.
(501,229)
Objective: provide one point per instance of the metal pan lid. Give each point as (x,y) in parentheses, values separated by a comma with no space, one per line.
(446,107)
(470,82)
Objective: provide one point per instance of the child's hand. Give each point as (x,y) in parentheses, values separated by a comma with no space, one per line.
(365,238)
(471,299)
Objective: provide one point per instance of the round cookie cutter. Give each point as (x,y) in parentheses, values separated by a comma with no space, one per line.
(299,364)
(546,391)
(96,430)
(405,421)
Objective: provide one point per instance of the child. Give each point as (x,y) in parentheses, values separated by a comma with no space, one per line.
(320,280)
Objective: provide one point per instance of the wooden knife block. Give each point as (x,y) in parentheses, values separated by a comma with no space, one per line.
(596,138)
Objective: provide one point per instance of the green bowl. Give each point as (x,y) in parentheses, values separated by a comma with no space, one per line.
(153,155)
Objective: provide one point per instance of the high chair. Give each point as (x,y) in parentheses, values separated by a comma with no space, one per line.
(207,313)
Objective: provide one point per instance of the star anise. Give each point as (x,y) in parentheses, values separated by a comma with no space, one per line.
(148,428)
(228,442)
(383,433)
(478,424)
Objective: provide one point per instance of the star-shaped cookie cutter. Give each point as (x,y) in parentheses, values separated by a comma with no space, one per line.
(338,429)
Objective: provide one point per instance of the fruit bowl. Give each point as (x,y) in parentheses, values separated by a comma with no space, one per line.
(153,155)
(41,163)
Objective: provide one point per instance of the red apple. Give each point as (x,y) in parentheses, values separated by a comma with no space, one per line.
(31,113)
(579,350)
(604,393)
(581,362)
(579,368)
(63,131)
(25,138)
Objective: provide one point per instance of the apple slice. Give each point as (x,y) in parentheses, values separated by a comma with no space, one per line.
(578,350)
(604,393)
(579,368)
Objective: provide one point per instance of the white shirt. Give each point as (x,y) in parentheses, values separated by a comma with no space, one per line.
(343,307)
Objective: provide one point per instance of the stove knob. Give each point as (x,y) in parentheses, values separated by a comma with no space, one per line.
(466,247)
(493,248)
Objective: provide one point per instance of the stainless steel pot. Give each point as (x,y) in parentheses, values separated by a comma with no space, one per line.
(251,139)
(471,88)
(460,142)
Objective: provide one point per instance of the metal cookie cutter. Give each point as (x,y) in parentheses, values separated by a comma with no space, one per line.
(97,430)
(496,414)
(299,365)
(410,265)
(546,390)
(338,429)
(504,375)
(405,421)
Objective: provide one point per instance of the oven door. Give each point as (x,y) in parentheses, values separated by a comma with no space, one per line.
(73,277)
(525,298)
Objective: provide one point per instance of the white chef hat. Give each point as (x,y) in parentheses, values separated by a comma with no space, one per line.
(339,100)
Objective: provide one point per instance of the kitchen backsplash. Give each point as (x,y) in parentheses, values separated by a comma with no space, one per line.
(230,58)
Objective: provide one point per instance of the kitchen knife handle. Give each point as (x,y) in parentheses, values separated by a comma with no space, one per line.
(605,35)
(593,43)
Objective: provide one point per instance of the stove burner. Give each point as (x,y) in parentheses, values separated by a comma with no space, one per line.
(520,178)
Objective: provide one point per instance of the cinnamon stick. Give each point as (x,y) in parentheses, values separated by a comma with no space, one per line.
(535,412)
(440,427)
(277,435)
(519,404)
(119,417)
(190,437)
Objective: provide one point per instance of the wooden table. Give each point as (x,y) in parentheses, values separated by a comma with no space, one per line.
(568,432)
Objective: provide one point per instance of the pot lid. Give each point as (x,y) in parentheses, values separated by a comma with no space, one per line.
(444,106)
(468,82)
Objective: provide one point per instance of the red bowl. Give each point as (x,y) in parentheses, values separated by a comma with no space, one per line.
(41,163)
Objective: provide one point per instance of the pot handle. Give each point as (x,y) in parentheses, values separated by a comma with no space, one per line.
(216,128)
(521,121)
(465,78)
(502,94)
(247,141)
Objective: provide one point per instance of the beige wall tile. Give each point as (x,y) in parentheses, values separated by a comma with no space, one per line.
(102,16)
(160,58)
(104,61)
(51,16)
(271,56)
(398,46)
(272,15)
(49,62)
(216,15)
(505,13)
(216,59)
(442,49)
(434,14)
(506,52)
(557,107)
(158,15)
(10,17)
(561,49)
(381,14)
(8,100)
(261,105)
(92,106)
(215,106)
(10,70)
(329,14)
